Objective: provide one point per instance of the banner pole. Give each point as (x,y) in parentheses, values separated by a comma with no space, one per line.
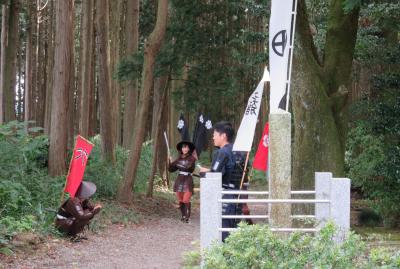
(166,142)
(244,172)
(66,177)
(291,54)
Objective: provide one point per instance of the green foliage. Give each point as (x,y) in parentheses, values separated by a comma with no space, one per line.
(382,258)
(377,35)
(256,246)
(372,156)
(216,46)
(349,5)
(373,147)
(107,177)
(369,217)
(101,172)
(14,197)
(28,197)
(112,213)
(215,39)
(9,226)
(192,260)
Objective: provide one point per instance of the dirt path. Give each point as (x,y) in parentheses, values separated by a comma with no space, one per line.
(156,243)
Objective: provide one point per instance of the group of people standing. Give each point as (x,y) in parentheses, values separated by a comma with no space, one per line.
(223,161)
(77,212)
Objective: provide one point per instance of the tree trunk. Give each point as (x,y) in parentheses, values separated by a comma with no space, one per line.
(160,86)
(86,66)
(319,95)
(131,92)
(105,95)
(62,75)
(34,59)
(151,50)
(49,67)
(115,44)
(9,44)
(28,65)
(71,103)
(20,83)
(41,67)
(93,95)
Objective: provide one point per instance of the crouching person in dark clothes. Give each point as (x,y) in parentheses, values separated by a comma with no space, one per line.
(223,161)
(75,213)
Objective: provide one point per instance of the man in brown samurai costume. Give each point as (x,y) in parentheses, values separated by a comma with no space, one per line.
(75,213)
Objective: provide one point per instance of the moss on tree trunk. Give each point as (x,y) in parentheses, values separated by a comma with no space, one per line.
(319,95)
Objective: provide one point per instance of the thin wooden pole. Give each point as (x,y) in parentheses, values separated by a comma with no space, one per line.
(244,172)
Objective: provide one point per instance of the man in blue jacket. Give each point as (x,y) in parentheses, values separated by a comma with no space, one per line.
(223,161)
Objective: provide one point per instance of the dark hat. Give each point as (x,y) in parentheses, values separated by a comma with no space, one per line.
(85,190)
(180,145)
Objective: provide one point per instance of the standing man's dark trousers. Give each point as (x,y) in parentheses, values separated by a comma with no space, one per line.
(229,209)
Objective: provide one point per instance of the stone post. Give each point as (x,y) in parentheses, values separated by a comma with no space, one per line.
(322,192)
(210,209)
(280,168)
(340,205)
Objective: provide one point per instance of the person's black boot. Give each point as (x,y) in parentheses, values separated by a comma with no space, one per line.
(188,211)
(182,207)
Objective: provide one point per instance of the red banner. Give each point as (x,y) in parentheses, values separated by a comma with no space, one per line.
(78,164)
(261,159)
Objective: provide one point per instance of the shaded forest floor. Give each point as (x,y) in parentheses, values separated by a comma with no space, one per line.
(158,239)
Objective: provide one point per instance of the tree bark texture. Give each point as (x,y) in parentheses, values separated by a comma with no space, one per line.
(41,66)
(151,50)
(49,66)
(105,95)
(319,95)
(131,92)
(9,43)
(93,95)
(28,96)
(62,75)
(115,46)
(160,86)
(86,67)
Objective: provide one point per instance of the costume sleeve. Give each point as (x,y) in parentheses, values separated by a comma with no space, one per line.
(218,164)
(172,166)
(74,207)
(87,205)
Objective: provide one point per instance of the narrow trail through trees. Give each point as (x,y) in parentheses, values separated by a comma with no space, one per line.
(158,243)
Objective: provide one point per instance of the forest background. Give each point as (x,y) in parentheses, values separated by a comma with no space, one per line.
(121,72)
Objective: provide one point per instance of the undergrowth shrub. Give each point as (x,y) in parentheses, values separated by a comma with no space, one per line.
(29,198)
(256,246)
(108,177)
(372,157)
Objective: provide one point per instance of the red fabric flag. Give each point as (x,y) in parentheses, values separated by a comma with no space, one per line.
(77,166)
(261,159)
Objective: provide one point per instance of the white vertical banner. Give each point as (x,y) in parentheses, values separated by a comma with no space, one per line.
(281,37)
(245,134)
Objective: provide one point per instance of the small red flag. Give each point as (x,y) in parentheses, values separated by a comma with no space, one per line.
(261,159)
(78,164)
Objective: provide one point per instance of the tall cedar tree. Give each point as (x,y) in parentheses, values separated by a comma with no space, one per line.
(152,47)
(105,95)
(62,82)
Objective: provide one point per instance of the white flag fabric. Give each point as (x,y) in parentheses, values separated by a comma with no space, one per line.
(245,134)
(280,43)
